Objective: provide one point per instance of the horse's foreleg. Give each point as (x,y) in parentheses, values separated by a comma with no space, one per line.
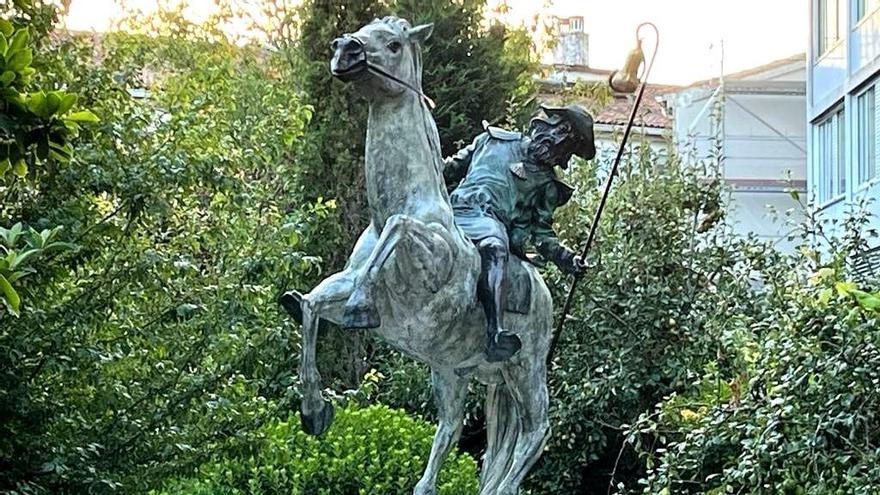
(361,310)
(450,392)
(324,303)
(315,412)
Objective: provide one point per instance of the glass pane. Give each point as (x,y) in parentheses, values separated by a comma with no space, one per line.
(841,154)
(870,157)
(866,7)
(826,155)
(866,136)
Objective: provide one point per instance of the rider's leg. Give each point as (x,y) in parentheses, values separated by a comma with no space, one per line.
(494,254)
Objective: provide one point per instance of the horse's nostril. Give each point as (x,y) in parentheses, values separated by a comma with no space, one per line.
(334,44)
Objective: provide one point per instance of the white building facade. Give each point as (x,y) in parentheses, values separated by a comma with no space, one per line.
(754,119)
(843,85)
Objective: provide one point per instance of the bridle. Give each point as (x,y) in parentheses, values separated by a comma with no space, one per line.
(382,73)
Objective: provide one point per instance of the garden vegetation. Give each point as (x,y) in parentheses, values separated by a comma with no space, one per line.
(162,184)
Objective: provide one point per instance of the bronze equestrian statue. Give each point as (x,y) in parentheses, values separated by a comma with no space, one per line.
(412,277)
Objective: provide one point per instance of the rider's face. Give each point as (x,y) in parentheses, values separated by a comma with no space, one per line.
(551,144)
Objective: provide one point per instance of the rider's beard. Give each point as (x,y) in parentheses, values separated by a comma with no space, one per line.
(540,151)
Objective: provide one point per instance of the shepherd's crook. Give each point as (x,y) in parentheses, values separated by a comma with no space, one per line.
(622,81)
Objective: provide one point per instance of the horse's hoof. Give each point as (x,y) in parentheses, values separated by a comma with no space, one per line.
(291,301)
(317,424)
(504,346)
(360,312)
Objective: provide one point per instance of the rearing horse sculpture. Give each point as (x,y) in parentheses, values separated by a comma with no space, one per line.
(412,275)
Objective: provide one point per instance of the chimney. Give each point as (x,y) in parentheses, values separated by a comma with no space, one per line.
(574,43)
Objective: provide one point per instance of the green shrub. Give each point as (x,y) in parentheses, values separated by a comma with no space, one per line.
(791,404)
(369,451)
(159,340)
(663,264)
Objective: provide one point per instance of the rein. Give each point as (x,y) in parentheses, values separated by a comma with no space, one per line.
(365,61)
(378,71)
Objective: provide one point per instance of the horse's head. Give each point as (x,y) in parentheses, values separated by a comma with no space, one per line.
(384,55)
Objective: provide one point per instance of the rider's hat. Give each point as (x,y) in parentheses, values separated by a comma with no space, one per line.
(581,122)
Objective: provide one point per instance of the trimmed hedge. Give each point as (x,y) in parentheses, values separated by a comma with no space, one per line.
(368,451)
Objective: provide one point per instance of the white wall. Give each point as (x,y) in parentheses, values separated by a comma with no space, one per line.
(764,214)
(752,150)
(834,78)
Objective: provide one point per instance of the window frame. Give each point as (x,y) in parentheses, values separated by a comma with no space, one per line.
(830,141)
(860,17)
(870,144)
(825,44)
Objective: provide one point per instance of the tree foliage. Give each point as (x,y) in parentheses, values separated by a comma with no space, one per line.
(473,68)
(158,341)
(790,403)
(36,127)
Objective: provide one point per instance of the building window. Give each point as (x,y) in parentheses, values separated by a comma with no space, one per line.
(831,153)
(866,144)
(829,24)
(865,7)
(577,24)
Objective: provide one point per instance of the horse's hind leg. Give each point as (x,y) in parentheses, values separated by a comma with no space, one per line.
(450,392)
(527,382)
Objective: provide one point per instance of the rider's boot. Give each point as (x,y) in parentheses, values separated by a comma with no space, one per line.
(502,344)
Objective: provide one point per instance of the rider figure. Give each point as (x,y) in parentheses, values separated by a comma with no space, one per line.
(507,199)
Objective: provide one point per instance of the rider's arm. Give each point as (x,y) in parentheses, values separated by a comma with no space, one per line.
(456,166)
(544,237)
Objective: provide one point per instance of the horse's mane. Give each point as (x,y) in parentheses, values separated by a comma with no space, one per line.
(398,23)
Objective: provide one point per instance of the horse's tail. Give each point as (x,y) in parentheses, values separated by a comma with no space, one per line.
(502,430)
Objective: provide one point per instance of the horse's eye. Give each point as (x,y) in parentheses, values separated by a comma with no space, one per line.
(394,46)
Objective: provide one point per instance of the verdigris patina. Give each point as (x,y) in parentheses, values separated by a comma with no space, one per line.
(413,274)
(507,199)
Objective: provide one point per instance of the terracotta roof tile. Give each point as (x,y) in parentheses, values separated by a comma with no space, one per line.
(651,112)
(616,112)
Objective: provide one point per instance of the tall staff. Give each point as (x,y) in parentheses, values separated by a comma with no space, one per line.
(625,80)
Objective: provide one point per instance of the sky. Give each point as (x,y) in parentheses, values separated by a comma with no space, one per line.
(753,32)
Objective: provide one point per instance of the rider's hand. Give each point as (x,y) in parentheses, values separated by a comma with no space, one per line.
(575,266)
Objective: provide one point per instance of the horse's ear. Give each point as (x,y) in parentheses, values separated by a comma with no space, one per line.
(421,33)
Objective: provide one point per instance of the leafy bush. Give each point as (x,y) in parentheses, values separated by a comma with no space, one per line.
(370,451)
(663,265)
(791,403)
(161,332)
(36,127)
